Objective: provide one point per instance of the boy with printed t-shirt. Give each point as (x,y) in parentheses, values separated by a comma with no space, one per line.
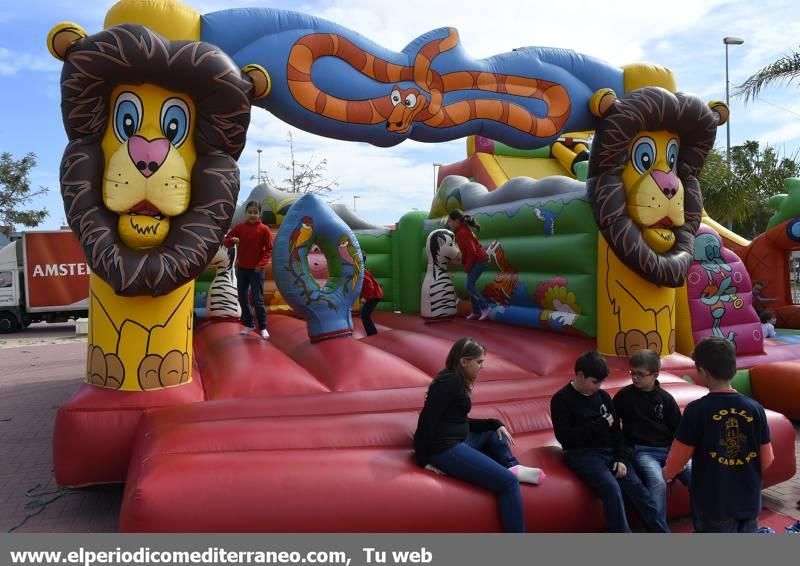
(727,438)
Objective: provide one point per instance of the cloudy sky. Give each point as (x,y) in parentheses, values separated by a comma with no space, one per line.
(684,35)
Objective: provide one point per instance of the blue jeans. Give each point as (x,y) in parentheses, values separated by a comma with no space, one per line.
(252,281)
(483,459)
(593,466)
(479,302)
(704,524)
(707,525)
(649,462)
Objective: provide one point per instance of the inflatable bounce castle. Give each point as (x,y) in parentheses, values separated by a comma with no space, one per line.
(584,179)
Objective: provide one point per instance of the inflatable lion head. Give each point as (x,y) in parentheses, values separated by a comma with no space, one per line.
(647,152)
(149,177)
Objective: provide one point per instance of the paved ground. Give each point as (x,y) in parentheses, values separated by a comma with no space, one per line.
(784,498)
(41,334)
(39,370)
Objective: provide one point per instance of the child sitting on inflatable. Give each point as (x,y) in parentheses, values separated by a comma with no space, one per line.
(586,425)
(474,450)
(768,321)
(649,417)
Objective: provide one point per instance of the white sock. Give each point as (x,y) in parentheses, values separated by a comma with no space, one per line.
(528,475)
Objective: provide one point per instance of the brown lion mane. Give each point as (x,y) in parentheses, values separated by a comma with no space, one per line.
(132,54)
(653,109)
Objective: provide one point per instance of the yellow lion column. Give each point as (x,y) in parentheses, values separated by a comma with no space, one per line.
(149,181)
(643,189)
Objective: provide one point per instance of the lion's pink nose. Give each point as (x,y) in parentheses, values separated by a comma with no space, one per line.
(147,155)
(667,182)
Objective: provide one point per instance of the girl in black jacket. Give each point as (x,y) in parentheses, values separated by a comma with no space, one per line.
(474,450)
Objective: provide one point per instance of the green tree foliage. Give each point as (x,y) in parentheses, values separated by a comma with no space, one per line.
(16,192)
(737,197)
(784,70)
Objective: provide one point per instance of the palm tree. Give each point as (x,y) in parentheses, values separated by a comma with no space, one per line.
(786,69)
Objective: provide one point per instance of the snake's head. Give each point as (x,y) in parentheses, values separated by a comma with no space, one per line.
(407,104)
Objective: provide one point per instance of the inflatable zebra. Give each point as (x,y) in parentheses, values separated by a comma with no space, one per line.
(223,298)
(439,299)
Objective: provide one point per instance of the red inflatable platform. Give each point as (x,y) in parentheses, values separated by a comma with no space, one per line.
(288,436)
(317,438)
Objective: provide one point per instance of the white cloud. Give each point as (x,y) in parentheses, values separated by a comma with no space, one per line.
(87,13)
(785,133)
(388,182)
(615,32)
(12,62)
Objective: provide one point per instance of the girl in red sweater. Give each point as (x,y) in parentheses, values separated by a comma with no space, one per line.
(473,256)
(255,248)
(372,293)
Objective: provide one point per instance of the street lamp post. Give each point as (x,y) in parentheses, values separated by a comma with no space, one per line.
(259,165)
(354,201)
(729,41)
(435,165)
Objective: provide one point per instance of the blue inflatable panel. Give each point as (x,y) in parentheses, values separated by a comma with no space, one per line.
(326,310)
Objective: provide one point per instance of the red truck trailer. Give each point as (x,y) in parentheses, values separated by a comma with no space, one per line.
(44,277)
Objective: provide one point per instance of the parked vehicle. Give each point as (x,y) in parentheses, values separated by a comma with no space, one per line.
(44,277)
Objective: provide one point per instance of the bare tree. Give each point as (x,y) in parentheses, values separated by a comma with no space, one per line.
(302,177)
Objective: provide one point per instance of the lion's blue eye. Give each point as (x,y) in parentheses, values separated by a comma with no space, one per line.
(672,154)
(644,154)
(175,121)
(127,116)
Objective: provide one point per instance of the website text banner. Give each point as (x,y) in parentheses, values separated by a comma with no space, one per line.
(396,550)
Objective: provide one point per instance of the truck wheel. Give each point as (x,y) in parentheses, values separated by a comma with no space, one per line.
(8,323)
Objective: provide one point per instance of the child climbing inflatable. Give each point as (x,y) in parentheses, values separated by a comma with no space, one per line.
(474,257)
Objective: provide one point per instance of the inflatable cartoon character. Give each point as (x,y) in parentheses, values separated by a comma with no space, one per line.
(501,289)
(149,182)
(439,299)
(223,294)
(646,200)
(425,102)
(719,290)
